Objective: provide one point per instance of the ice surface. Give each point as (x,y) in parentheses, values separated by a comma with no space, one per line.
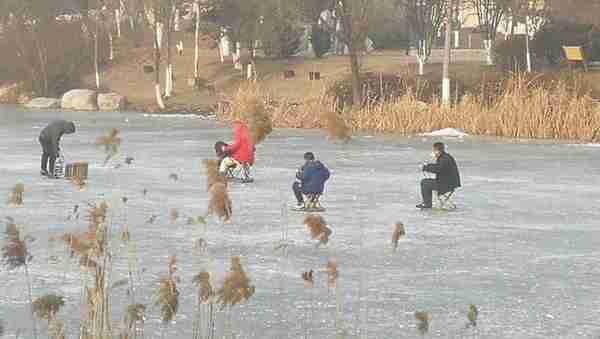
(523,245)
(446,132)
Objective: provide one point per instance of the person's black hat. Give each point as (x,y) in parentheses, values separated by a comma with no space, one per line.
(309,156)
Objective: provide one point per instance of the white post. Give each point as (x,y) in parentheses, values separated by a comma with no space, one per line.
(118,21)
(527,50)
(421,65)
(446,66)
(159,34)
(159,99)
(488,52)
(177,21)
(456,39)
(237,56)
(250,72)
(111,54)
(197,38)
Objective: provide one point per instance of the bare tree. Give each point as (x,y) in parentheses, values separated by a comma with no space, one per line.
(354,18)
(490,14)
(425,18)
(157,11)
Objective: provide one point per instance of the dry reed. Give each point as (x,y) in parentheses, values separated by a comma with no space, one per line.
(236,286)
(56,329)
(307,277)
(336,126)
(15,198)
(212,173)
(173,215)
(524,108)
(423,319)
(78,181)
(46,307)
(472,316)
(399,232)
(205,289)
(167,295)
(220,203)
(111,143)
(332,273)
(318,228)
(248,105)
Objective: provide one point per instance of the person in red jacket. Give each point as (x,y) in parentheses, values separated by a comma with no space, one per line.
(241,151)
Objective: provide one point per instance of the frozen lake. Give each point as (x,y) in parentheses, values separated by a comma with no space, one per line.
(523,245)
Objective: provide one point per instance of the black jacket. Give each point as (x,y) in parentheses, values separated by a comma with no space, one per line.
(55,130)
(446,173)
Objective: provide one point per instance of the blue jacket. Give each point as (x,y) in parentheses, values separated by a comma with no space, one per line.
(313,177)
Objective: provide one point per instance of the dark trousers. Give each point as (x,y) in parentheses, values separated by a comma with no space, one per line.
(427,188)
(49,154)
(297,187)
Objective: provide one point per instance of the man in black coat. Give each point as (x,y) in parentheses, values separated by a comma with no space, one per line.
(447,178)
(50,141)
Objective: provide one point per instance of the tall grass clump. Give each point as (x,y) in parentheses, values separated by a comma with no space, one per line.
(204,325)
(46,308)
(399,232)
(15,197)
(111,143)
(248,105)
(220,203)
(236,286)
(167,295)
(15,255)
(318,228)
(211,168)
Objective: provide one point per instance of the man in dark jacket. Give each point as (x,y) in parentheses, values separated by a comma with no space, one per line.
(310,178)
(447,178)
(50,141)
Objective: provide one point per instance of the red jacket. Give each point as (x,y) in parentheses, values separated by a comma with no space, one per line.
(242,148)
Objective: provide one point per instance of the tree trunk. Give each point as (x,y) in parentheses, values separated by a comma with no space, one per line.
(356,83)
(96,61)
(488,52)
(157,90)
(118,22)
(169,69)
(446,67)
(197,40)
(527,49)
(111,55)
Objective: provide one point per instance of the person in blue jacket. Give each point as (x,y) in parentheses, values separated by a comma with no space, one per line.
(310,178)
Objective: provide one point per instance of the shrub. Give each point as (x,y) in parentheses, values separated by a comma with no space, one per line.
(548,42)
(511,54)
(321,40)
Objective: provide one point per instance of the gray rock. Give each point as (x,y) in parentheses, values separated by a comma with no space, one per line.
(111,102)
(43,103)
(80,100)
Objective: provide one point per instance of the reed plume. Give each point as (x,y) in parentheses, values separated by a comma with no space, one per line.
(168,295)
(423,319)
(205,289)
(472,316)
(15,198)
(174,215)
(248,106)
(318,228)
(220,203)
(212,173)
(307,277)
(399,232)
(47,306)
(332,273)
(336,126)
(111,143)
(236,286)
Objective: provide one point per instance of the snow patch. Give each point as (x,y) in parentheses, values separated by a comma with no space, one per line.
(446,132)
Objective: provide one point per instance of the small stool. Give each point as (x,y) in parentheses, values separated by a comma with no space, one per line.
(445,201)
(77,170)
(312,202)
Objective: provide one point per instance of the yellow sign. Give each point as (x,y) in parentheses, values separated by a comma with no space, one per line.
(574,53)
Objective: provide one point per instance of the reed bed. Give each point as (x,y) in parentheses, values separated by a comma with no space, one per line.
(249,105)
(318,228)
(524,107)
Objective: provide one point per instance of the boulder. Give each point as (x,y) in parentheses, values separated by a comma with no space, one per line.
(111,102)
(43,103)
(80,100)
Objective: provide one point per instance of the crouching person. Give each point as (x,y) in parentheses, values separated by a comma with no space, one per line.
(50,141)
(240,153)
(310,182)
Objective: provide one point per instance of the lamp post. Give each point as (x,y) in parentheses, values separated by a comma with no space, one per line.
(446,76)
